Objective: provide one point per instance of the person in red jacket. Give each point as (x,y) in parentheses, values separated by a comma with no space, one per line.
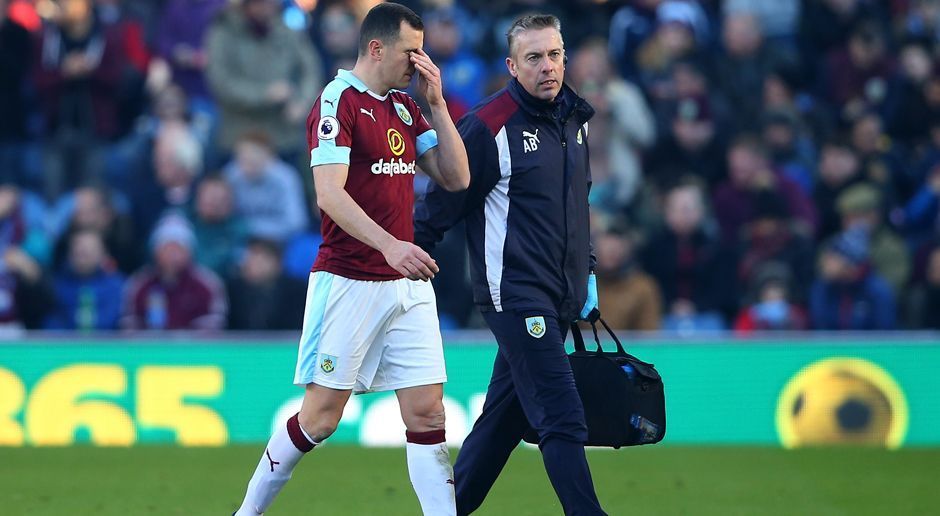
(174,293)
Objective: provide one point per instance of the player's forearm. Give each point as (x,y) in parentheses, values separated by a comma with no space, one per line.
(452,160)
(351,218)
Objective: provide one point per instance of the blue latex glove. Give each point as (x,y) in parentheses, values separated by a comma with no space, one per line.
(590,304)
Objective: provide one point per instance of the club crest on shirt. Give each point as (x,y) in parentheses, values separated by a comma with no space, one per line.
(328,128)
(403,113)
(535,326)
(327,363)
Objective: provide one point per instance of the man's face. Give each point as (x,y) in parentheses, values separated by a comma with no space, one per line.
(91,210)
(172,257)
(537,61)
(214,201)
(743,166)
(396,66)
(837,165)
(252,158)
(86,253)
(684,210)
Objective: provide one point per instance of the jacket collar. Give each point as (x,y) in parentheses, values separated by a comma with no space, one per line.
(565,106)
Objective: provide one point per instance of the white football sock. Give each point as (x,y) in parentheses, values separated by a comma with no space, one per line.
(432,475)
(288,444)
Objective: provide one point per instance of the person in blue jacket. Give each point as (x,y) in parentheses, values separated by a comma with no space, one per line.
(528,232)
(88,289)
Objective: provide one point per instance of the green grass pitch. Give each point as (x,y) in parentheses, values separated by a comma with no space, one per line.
(337,480)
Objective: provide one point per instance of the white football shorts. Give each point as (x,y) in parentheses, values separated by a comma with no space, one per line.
(369,335)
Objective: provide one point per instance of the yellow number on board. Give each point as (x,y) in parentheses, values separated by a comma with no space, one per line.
(161,403)
(57,409)
(12,395)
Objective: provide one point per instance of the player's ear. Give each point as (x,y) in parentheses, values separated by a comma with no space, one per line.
(376,49)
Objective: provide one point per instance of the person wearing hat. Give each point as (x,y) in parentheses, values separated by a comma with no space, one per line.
(860,206)
(848,294)
(174,293)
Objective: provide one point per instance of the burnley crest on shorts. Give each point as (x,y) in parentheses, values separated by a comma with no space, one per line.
(535,326)
(327,363)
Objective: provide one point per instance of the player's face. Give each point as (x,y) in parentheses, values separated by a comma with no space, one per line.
(396,63)
(537,61)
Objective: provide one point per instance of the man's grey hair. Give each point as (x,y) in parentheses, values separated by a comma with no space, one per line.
(531,22)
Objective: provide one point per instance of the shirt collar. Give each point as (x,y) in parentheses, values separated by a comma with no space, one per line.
(348,77)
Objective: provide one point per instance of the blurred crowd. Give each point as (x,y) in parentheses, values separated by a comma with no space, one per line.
(757,164)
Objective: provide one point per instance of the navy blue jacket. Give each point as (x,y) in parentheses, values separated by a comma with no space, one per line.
(528,228)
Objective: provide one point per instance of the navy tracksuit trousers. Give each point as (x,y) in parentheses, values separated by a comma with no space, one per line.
(532,386)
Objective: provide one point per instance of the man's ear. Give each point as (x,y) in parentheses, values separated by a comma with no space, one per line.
(511,66)
(376,49)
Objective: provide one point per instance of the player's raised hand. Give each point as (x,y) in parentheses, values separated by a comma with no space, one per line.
(410,260)
(429,78)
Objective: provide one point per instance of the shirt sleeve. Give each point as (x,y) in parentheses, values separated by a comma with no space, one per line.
(329,129)
(427,136)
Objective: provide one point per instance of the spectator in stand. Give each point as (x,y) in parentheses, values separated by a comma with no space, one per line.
(630,297)
(778,19)
(180,41)
(826,25)
(839,168)
(92,208)
(907,110)
(857,75)
(743,66)
(790,151)
(462,71)
(174,293)
(128,29)
(268,192)
(262,297)
(749,174)
(15,60)
(220,233)
(924,298)
(674,38)
(177,161)
(860,208)
(633,26)
(771,237)
(922,21)
(87,288)
(687,260)
(771,306)
(921,215)
(691,145)
(783,91)
(263,75)
(78,65)
(848,294)
(336,33)
(882,162)
(622,119)
(25,292)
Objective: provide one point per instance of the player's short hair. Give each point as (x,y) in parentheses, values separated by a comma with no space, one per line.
(383,22)
(531,22)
